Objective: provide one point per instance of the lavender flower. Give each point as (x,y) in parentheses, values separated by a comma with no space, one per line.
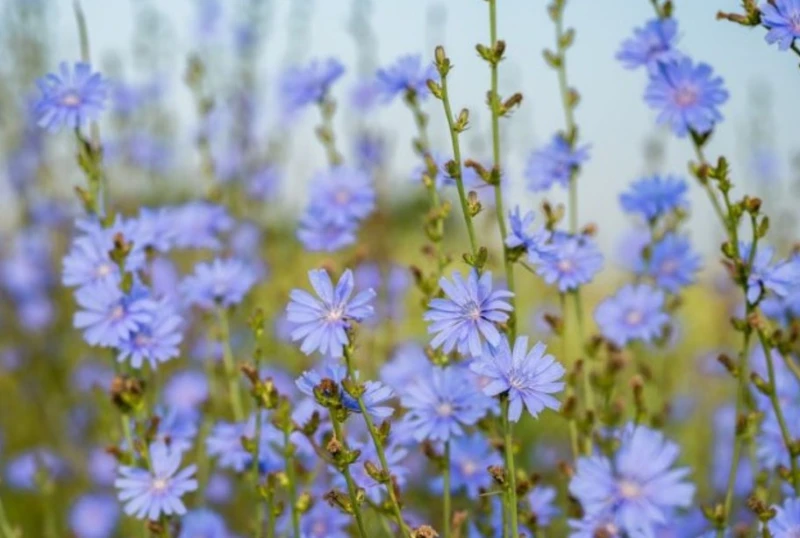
(321,323)
(149,494)
(94,516)
(441,405)
(636,312)
(467,314)
(319,235)
(155,341)
(541,501)
(223,282)
(653,43)
(186,390)
(686,95)
(306,85)
(70,98)
(535,244)
(782,18)
(108,316)
(780,278)
(529,378)
(203,523)
(655,196)
(342,195)
(554,164)
(672,264)
(407,74)
(573,261)
(636,491)
(199,225)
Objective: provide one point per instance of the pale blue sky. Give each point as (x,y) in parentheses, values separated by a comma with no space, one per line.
(612,116)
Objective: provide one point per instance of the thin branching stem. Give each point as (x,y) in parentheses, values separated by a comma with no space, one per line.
(373,433)
(228,362)
(459,167)
(351,485)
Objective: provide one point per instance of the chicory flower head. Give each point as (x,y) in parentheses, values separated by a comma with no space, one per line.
(554,164)
(636,312)
(321,322)
(70,98)
(529,378)
(687,96)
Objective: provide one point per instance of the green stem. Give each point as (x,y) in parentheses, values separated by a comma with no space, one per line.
(510,470)
(776,407)
(351,486)
(291,476)
(230,368)
(325,131)
(255,476)
(494,106)
(373,433)
(459,177)
(423,148)
(447,493)
(587,383)
(743,365)
(5,526)
(270,513)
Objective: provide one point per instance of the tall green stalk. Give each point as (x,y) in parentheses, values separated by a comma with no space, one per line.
(378,443)
(495,56)
(447,493)
(234,393)
(351,486)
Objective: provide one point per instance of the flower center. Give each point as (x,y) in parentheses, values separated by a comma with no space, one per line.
(219,289)
(565,266)
(118,312)
(686,96)
(669,267)
(629,490)
(71,99)
(334,314)
(342,197)
(319,529)
(634,317)
(794,23)
(160,484)
(516,381)
(104,269)
(444,409)
(468,468)
(142,340)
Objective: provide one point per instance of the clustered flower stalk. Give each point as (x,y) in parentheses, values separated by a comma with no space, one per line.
(493,55)
(730,215)
(346,457)
(378,437)
(434,221)
(194,77)
(90,153)
(234,395)
(325,132)
(569,100)
(456,126)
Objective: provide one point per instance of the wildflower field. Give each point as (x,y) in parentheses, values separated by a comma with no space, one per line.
(234,304)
